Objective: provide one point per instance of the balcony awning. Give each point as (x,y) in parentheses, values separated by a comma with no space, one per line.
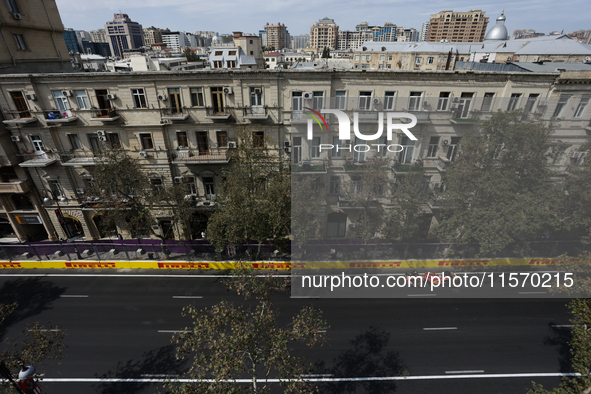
(38,162)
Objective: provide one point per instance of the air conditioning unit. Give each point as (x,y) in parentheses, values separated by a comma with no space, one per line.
(162,97)
(456,100)
(376,101)
(178,179)
(445,142)
(15,138)
(67,93)
(102,138)
(232,145)
(111,96)
(31,96)
(143,154)
(308,95)
(287,147)
(228,90)
(80,191)
(100,133)
(258,91)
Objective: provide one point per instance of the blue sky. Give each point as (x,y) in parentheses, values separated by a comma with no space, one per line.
(249,16)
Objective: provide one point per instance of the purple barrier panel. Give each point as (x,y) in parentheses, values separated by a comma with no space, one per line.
(48,249)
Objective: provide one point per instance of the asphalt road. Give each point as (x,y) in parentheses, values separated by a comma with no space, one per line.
(120,327)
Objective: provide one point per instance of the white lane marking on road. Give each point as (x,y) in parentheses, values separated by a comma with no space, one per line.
(161,375)
(421,295)
(172,331)
(73,296)
(439,328)
(562,325)
(460,372)
(44,330)
(362,379)
(187,296)
(533,292)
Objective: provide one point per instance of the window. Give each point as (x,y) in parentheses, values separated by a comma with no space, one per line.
(389,100)
(296,101)
(336,147)
(82,99)
(433,146)
(197,97)
(418,60)
(364,100)
(296,150)
(581,107)
(443,101)
(357,185)
(12,6)
(56,188)
(218,53)
(487,102)
(336,225)
(414,101)
(561,104)
(513,101)
(452,149)
(181,139)
(174,95)
(74,141)
(208,186)
(20,42)
(531,101)
(315,148)
(191,187)
(256,97)
(231,63)
(408,147)
(217,100)
(61,102)
(258,139)
(202,142)
(340,99)
(382,148)
(359,157)
(334,185)
(93,140)
(430,60)
(222,139)
(464,107)
(232,53)
(146,141)
(389,58)
(382,57)
(218,64)
(37,143)
(317,100)
(114,140)
(356,57)
(156,184)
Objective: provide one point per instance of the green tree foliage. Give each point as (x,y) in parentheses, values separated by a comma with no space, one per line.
(228,341)
(124,194)
(580,352)
(255,198)
(499,189)
(408,198)
(39,343)
(189,54)
(306,199)
(326,53)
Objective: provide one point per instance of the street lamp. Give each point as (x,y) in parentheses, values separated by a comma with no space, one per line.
(58,211)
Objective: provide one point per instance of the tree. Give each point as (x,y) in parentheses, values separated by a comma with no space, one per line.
(305,202)
(125,196)
(190,54)
(580,351)
(326,53)
(499,189)
(403,218)
(255,199)
(226,341)
(40,343)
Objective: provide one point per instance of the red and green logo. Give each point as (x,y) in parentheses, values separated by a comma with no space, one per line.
(317,117)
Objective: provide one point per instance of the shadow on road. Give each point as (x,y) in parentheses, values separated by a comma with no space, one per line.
(560,338)
(369,356)
(153,365)
(33,295)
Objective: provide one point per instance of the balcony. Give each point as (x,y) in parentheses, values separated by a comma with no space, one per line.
(14,186)
(465,118)
(78,158)
(298,117)
(217,113)
(435,201)
(443,164)
(39,159)
(18,117)
(588,128)
(174,114)
(406,168)
(422,117)
(191,156)
(256,113)
(105,115)
(55,116)
(309,167)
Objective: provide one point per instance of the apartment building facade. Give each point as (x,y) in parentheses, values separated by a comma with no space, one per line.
(276,36)
(123,34)
(182,126)
(324,34)
(457,26)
